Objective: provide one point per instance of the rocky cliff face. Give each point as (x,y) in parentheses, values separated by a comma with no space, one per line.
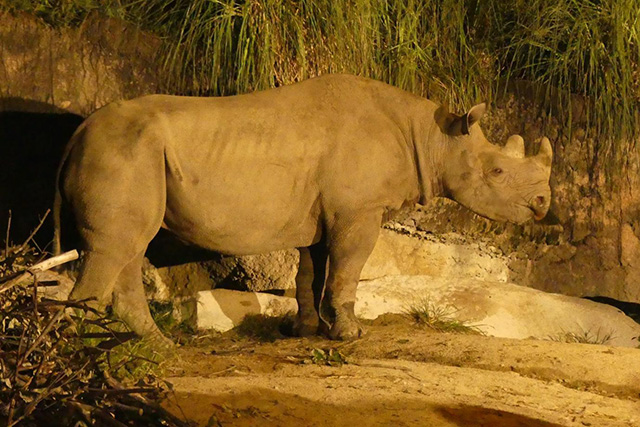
(588,246)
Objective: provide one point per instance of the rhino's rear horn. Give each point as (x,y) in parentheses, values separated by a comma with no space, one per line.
(545,154)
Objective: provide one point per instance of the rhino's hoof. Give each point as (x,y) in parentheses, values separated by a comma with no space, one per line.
(346,331)
(305,328)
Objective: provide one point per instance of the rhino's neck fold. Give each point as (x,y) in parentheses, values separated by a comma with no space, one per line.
(429,151)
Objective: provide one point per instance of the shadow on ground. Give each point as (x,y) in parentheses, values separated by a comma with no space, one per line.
(270,407)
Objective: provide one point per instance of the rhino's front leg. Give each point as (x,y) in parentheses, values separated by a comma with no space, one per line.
(351,240)
(309,288)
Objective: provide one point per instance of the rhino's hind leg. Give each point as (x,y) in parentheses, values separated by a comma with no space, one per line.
(310,281)
(351,241)
(130,303)
(97,279)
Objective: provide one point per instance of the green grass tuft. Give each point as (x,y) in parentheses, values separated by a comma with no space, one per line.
(439,318)
(125,358)
(163,314)
(583,337)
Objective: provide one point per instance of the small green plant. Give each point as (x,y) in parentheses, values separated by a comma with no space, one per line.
(583,337)
(439,318)
(117,349)
(330,357)
(163,315)
(265,328)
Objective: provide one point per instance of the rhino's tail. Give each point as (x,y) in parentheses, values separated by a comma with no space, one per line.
(58,208)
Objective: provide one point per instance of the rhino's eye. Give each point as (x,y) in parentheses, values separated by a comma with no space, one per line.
(496,171)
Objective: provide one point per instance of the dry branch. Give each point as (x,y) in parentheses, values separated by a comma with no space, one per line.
(57,364)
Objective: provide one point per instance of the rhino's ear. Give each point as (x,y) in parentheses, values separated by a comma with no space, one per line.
(473,116)
(514,147)
(449,123)
(454,125)
(445,120)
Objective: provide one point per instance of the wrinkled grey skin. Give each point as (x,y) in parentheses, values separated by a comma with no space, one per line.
(315,165)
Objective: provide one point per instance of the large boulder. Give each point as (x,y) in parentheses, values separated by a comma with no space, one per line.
(404,251)
(500,309)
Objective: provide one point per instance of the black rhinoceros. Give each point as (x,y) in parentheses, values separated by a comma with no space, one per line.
(315,165)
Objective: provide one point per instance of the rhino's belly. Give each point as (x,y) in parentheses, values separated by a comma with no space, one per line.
(242,223)
(238,241)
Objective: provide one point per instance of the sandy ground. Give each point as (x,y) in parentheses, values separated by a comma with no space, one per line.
(401,374)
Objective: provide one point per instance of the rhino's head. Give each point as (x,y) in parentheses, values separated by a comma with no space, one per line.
(499,183)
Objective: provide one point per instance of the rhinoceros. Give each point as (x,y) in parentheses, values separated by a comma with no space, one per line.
(315,165)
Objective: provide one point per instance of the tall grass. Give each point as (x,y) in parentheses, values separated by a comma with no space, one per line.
(585,47)
(223,47)
(454,51)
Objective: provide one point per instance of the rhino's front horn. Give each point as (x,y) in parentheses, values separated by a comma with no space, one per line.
(545,155)
(514,147)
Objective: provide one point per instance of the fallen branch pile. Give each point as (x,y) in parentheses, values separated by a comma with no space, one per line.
(59,360)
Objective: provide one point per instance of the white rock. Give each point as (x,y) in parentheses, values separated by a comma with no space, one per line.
(223,309)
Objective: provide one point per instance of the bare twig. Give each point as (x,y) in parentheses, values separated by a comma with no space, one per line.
(18,280)
(125,336)
(11,411)
(35,299)
(55,261)
(128,408)
(73,304)
(52,322)
(6,242)
(105,417)
(100,413)
(33,233)
(114,391)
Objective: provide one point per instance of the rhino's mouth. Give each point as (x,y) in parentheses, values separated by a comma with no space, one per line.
(538,214)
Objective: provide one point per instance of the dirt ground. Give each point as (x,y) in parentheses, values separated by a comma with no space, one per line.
(401,374)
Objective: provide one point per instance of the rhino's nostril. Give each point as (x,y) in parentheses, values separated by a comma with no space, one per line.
(539,207)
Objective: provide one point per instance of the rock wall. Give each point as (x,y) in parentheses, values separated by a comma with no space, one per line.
(588,246)
(49,81)
(76,70)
